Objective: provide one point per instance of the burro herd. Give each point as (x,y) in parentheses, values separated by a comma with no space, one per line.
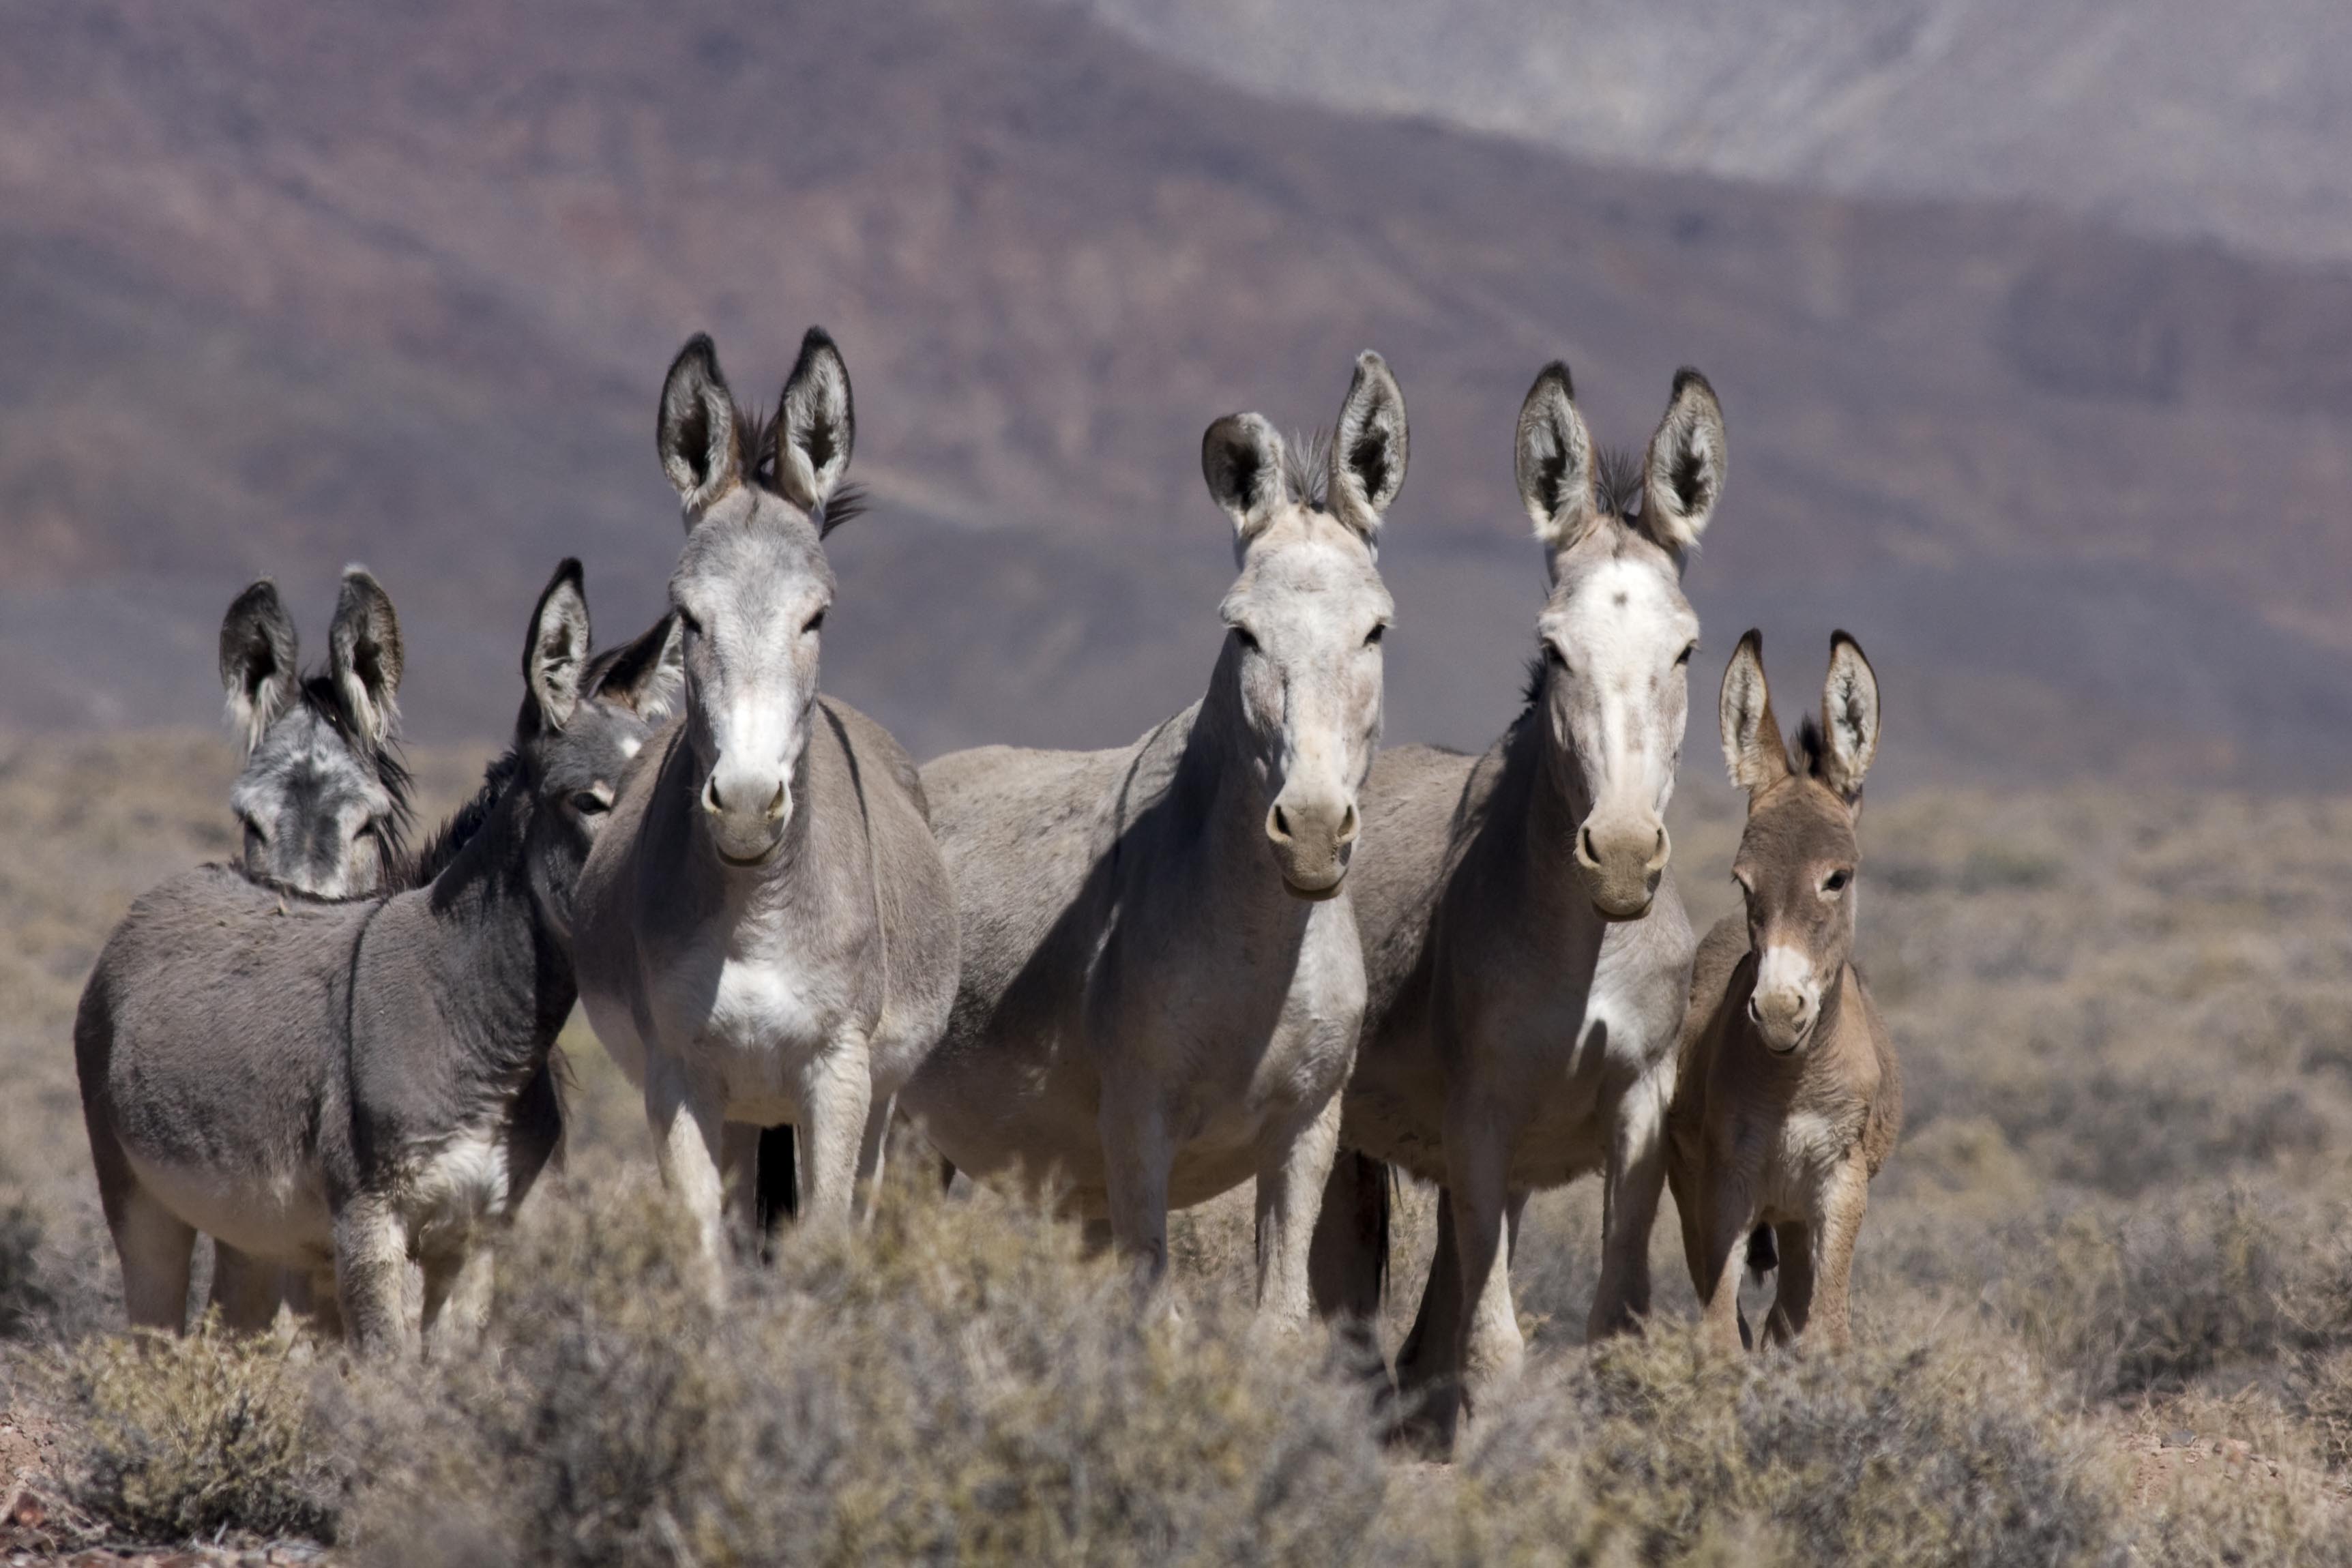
(1250,946)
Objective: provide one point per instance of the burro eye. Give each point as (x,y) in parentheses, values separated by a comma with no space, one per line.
(1835,881)
(1684,657)
(686,621)
(1241,635)
(590,803)
(1373,637)
(816,624)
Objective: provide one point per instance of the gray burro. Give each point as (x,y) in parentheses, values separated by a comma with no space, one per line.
(1789,1097)
(1528,952)
(1161,982)
(766,936)
(346,1086)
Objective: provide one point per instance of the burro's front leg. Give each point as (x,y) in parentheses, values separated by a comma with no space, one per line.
(1136,1159)
(371,1275)
(1477,1163)
(687,1110)
(1291,1172)
(836,1091)
(1844,1198)
(1728,1212)
(1636,1174)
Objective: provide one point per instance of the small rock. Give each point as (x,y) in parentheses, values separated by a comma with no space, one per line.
(27,1512)
(2180,1438)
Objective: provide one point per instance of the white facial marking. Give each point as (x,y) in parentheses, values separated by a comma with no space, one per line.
(632,745)
(1785,971)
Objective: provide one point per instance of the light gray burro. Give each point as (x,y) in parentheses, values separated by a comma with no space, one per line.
(1790,1098)
(351,1085)
(766,933)
(1528,954)
(323,797)
(1161,983)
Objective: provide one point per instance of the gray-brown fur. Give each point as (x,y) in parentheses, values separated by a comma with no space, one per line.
(767,935)
(345,1085)
(323,797)
(1527,954)
(1161,982)
(1789,1097)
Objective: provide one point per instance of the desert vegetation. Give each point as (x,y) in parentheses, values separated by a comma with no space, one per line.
(2103,1301)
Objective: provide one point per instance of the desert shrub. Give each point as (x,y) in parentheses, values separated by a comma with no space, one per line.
(1656,1449)
(2224,1514)
(957,1383)
(187,1437)
(24,1293)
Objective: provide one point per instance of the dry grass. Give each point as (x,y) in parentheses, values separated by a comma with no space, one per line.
(2104,1300)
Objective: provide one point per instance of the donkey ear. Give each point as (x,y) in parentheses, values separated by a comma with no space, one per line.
(816,424)
(646,675)
(256,662)
(1752,746)
(364,655)
(555,657)
(1554,460)
(1368,447)
(1849,718)
(696,432)
(1241,458)
(1683,477)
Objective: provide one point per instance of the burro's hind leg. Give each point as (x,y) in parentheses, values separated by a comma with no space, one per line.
(873,1150)
(1292,1169)
(1793,1292)
(1350,1255)
(1635,1173)
(156,1249)
(458,1283)
(245,1289)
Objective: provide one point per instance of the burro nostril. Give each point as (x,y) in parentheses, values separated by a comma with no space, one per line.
(710,796)
(1585,850)
(776,804)
(1277,824)
(1349,824)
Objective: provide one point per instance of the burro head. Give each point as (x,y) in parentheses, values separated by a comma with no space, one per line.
(1798,857)
(323,797)
(1305,615)
(583,716)
(1617,635)
(752,584)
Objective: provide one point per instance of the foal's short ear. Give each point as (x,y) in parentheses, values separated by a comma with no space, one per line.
(1682,479)
(256,662)
(364,655)
(1241,458)
(1368,447)
(1752,746)
(816,424)
(555,657)
(696,432)
(1849,718)
(647,674)
(1553,455)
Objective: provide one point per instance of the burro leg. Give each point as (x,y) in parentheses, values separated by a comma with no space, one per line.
(686,1111)
(371,1275)
(1292,1170)
(836,1091)
(1137,1158)
(1477,1163)
(156,1249)
(458,1288)
(1636,1174)
(1842,1203)
(872,1150)
(1728,1215)
(245,1289)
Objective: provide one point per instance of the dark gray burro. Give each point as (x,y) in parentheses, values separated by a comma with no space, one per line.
(345,1086)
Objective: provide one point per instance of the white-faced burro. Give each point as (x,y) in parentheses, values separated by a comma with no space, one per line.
(1161,983)
(766,933)
(1789,1097)
(349,1085)
(1526,950)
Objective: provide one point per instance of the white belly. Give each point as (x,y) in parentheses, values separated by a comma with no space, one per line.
(279,1215)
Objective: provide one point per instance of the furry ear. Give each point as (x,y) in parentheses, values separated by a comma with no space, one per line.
(645,675)
(364,655)
(1241,458)
(1368,447)
(816,424)
(1682,478)
(1554,459)
(1752,746)
(696,430)
(257,662)
(1849,718)
(556,655)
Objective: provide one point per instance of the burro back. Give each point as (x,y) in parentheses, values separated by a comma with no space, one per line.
(340,1086)
(1161,981)
(323,799)
(1528,954)
(768,936)
(1790,1098)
